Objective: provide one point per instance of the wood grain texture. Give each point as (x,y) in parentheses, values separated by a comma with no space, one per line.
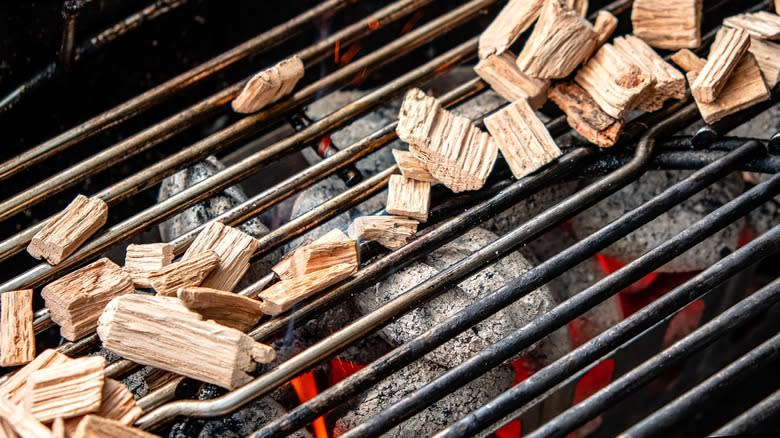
(728,49)
(93,426)
(762,24)
(514,19)
(411,167)
(409,198)
(142,260)
(687,60)
(184,273)
(118,404)
(226,308)
(234,248)
(392,232)
(62,235)
(669,82)
(281,296)
(66,390)
(585,116)
(269,85)
(13,388)
(501,72)
(17,337)
(318,256)
(22,422)
(668,24)
(767,56)
(578,6)
(604,26)
(283,268)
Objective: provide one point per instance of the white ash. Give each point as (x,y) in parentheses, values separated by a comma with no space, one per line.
(439,414)
(668,224)
(529,207)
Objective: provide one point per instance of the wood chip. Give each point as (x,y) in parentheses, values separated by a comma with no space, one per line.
(514,19)
(118,405)
(283,268)
(763,25)
(318,256)
(578,6)
(411,167)
(687,60)
(560,41)
(269,85)
(13,388)
(501,72)
(768,58)
(668,24)
(281,296)
(407,197)
(76,300)
(93,426)
(184,273)
(614,81)
(62,235)
(669,82)
(522,138)
(160,331)
(585,116)
(22,422)
(604,26)
(726,53)
(67,390)
(227,308)
(58,428)
(234,248)
(17,337)
(6,431)
(392,232)
(142,260)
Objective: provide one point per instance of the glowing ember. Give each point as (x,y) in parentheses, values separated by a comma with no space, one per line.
(351,52)
(411,22)
(306,388)
(610,265)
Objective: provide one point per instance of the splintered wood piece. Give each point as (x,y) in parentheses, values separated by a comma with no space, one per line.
(585,116)
(93,426)
(730,46)
(392,232)
(514,19)
(142,260)
(17,337)
(67,390)
(234,248)
(768,58)
(407,197)
(118,404)
(503,76)
(614,81)
(281,296)
(13,388)
(21,421)
(76,299)
(269,85)
(227,308)
(318,256)
(450,147)
(411,167)
(604,26)
(688,61)
(283,268)
(522,138)
(560,41)
(69,229)
(6,431)
(669,82)
(189,272)
(763,25)
(578,6)
(668,24)
(58,428)
(160,331)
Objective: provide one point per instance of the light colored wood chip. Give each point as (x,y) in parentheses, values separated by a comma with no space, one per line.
(13,388)
(234,248)
(22,422)
(578,6)
(142,260)
(501,72)
(522,138)
(269,85)
(411,167)
(118,404)
(283,268)
(450,147)
(604,26)
(184,273)
(58,428)
(281,296)
(392,232)
(76,299)
(668,24)
(560,41)
(6,431)
(585,116)
(227,308)
(160,331)
(318,256)
(762,24)
(669,82)
(67,390)
(93,426)
(514,19)
(687,60)
(62,235)
(614,81)
(726,53)
(407,197)
(17,337)
(768,58)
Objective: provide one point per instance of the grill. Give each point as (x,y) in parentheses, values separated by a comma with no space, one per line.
(445,38)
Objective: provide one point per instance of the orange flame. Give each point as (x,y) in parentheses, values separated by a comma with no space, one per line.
(336,52)
(306,388)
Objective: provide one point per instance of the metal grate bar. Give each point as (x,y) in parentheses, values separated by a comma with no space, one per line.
(752,419)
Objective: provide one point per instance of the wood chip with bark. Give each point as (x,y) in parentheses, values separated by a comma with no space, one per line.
(392,232)
(614,81)
(189,272)
(728,49)
(503,76)
(234,248)
(768,58)
(67,390)
(160,331)
(281,296)
(409,198)
(63,234)
(226,308)
(269,85)
(514,19)
(93,426)
(411,167)
(21,421)
(142,260)
(762,24)
(283,268)
(522,138)
(76,300)
(560,41)
(17,337)
(318,256)
(585,116)
(668,24)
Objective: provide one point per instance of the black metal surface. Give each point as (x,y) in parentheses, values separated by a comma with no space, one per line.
(752,420)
